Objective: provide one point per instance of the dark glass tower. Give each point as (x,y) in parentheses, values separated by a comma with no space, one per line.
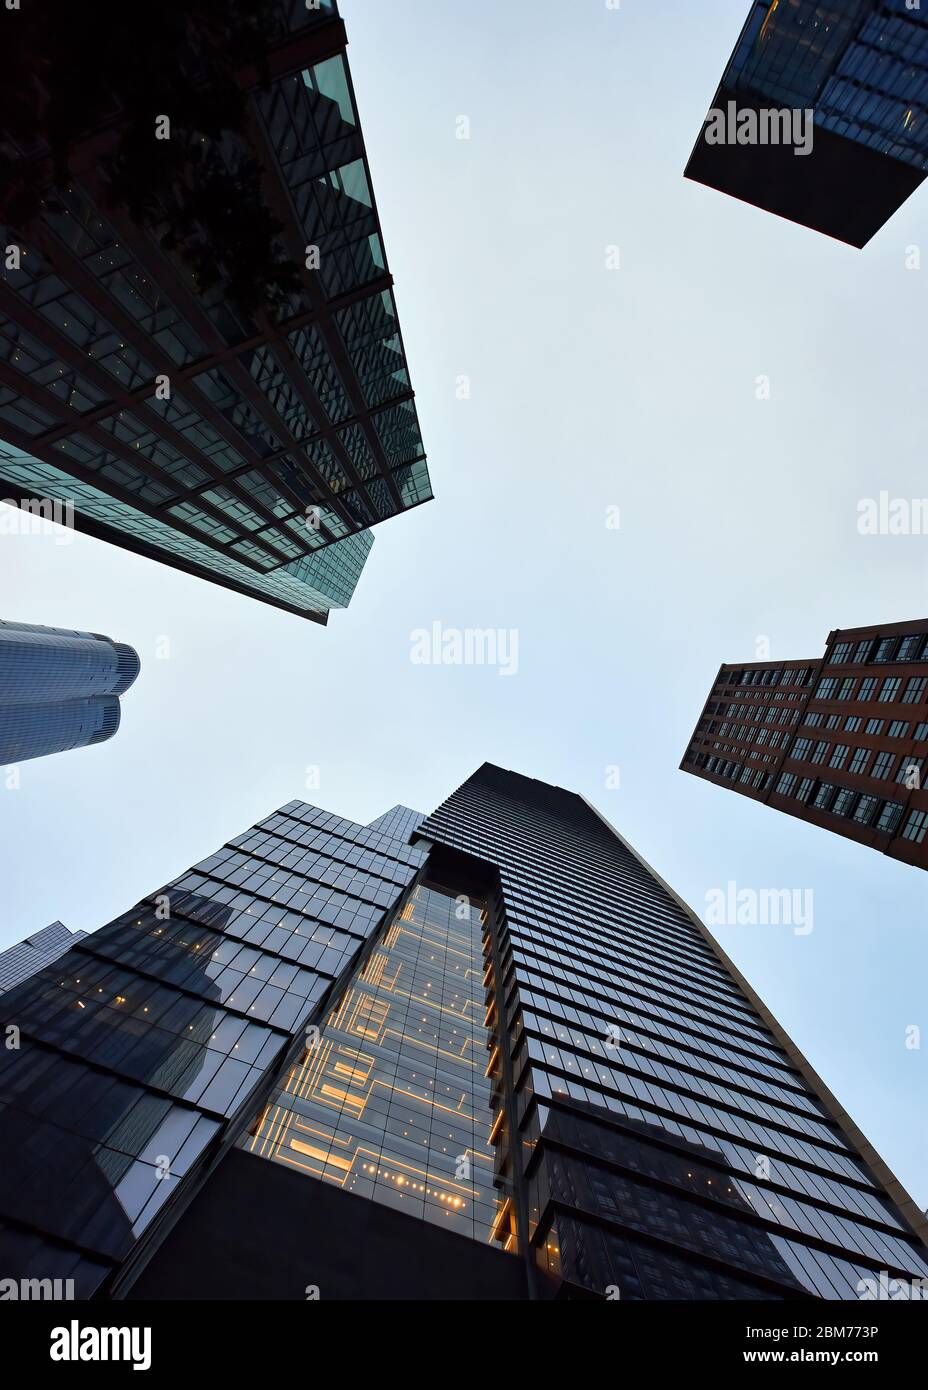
(502,1062)
(862,67)
(59,689)
(840,740)
(238,406)
(18,962)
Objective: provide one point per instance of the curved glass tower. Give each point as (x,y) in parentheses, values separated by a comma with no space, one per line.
(59,689)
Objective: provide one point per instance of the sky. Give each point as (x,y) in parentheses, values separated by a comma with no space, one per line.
(554,388)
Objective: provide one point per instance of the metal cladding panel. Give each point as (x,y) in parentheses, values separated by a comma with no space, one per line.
(671,1143)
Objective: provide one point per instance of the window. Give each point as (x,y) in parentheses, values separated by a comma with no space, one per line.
(916,826)
(826,688)
(865,809)
(819,754)
(890,689)
(846,687)
(910,647)
(844,802)
(859,760)
(863,650)
(921,732)
(915,690)
(867,688)
(812,721)
(839,755)
(832,721)
(881,765)
(874,726)
(910,773)
(889,817)
(899,728)
(823,796)
(801,747)
(885,649)
(852,723)
(805,786)
(786,784)
(841,653)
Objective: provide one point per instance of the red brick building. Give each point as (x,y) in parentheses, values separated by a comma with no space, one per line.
(839,740)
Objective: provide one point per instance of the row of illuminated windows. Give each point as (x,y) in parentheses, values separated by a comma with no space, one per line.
(180,1064)
(236,987)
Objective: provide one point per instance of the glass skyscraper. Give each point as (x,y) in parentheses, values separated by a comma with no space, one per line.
(18,962)
(501,1061)
(59,689)
(861,68)
(251,445)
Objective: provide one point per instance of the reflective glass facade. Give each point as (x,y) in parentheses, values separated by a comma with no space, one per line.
(392,1102)
(861,64)
(59,689)
(286,436)
(18,962)
(659,1136)
(148,1046)
(510,1032)
(839,740)
(860,67)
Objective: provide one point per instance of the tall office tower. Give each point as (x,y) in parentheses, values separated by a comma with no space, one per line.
(862,67)
(504,1061)
(18,962)
(199,342)
(59,689)
(839,740)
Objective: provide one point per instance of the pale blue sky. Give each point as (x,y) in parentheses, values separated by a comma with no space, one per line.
(590,388)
